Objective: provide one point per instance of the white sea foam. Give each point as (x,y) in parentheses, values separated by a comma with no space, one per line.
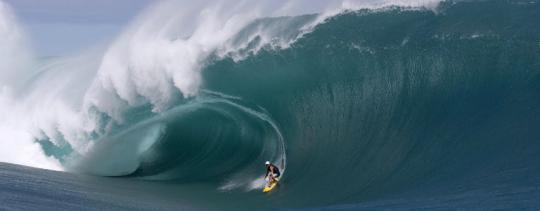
(16,141)
(14,56)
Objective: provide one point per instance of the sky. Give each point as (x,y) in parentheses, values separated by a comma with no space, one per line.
(61,27)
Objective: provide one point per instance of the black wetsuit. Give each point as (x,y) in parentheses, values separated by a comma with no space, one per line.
(276,170)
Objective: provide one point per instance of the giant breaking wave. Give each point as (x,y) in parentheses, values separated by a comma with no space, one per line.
(363,100)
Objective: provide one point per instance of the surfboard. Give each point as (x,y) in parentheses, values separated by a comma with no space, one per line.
(270,186)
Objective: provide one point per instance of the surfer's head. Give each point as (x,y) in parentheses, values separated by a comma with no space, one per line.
(267,163)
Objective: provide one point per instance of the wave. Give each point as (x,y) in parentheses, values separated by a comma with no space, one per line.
(357,101)
(68,104)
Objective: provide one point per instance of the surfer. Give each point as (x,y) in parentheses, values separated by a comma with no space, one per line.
(272,172)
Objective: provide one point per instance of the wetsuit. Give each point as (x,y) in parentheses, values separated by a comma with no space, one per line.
(276,171)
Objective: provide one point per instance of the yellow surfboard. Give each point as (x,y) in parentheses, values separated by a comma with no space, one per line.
(270,186)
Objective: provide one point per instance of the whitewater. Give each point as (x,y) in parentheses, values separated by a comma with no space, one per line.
(379,104)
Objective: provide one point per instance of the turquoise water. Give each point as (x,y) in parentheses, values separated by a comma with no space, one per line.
(386,109)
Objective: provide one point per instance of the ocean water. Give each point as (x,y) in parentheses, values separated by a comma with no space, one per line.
(421,105)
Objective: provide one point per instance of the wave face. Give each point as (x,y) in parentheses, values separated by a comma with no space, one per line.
(357,107)
(378,102)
